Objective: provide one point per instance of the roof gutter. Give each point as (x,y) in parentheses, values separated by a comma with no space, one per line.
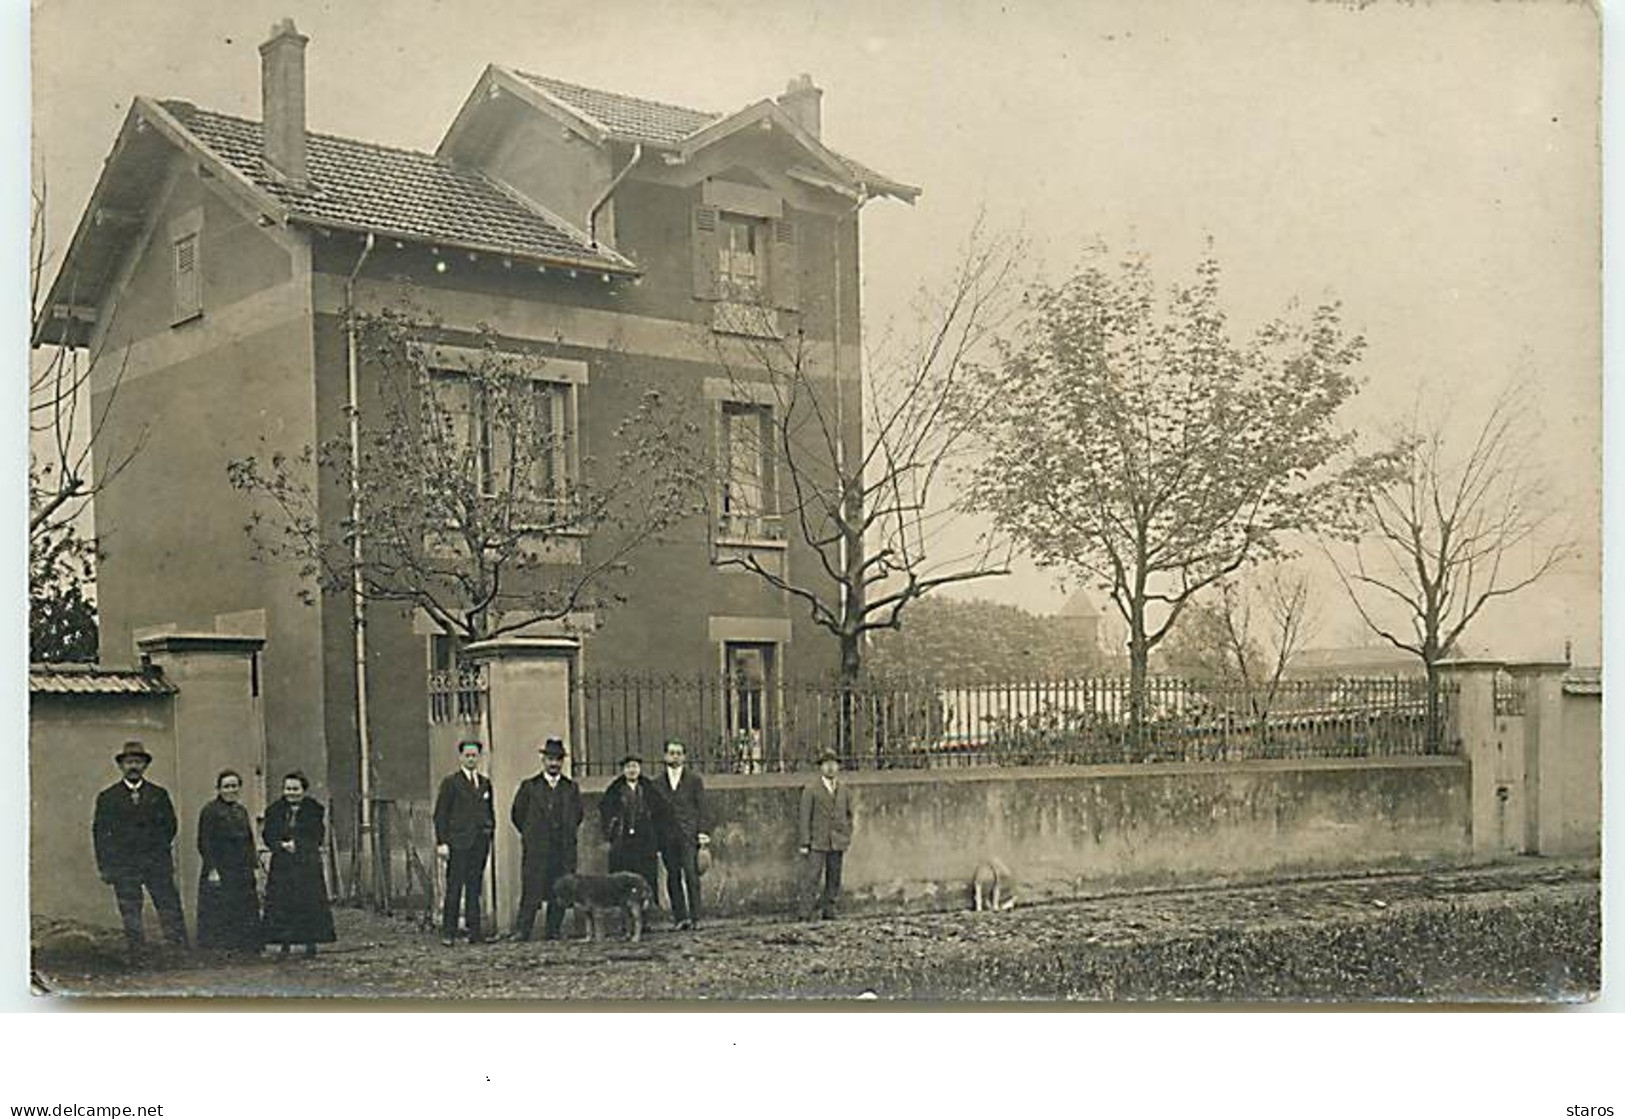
(614,184)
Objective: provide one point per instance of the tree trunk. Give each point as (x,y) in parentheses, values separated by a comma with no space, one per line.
(1434,724)
(851,673)
(1139,654)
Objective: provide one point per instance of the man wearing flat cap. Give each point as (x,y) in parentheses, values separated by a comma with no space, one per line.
(628,815)
(825,832)
(547,812)
(132,832)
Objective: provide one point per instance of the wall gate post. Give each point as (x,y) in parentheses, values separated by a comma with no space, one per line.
(528,682)
(1494,761)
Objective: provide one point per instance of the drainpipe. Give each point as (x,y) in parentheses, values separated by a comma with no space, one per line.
(844,731)
(358,600)
(614,184)
(835,367)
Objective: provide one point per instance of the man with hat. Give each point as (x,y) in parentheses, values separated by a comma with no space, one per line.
(825,834)
(547,812)
(628,815)
(132,831)
(464,821)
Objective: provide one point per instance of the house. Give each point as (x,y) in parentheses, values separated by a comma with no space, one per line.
(211,276)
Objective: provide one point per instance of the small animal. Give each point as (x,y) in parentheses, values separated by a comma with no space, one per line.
(994,886)
(596,894)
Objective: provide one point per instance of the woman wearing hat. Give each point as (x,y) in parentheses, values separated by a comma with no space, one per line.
(228,905)
(296,908)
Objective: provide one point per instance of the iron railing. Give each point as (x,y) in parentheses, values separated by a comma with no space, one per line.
(731,727)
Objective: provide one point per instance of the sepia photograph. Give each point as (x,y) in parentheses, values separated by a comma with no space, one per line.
(1087,505)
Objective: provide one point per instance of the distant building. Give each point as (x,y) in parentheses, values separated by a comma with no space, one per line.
(1363,660)
(1081,618)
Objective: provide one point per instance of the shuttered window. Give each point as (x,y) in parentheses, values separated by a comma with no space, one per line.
(188,280)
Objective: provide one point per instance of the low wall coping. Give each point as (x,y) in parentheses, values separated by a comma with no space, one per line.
(495,648)
(200,643)
(1536,668)
(1059,772)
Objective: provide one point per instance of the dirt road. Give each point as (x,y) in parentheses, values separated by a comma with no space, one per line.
(1525,930)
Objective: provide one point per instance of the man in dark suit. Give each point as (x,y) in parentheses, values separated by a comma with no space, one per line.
(547,812)
(132,831)
(464,821)
(682,828)
(825,834)
(627,814)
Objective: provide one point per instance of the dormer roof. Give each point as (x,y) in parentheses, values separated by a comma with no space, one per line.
(602,116)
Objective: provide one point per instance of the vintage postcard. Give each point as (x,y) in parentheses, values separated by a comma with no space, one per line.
(1096,503)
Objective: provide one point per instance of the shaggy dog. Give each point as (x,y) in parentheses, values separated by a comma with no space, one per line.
(993,886)
(596,894)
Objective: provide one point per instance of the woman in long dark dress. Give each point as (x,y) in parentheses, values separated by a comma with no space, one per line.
(228,905)
(296,908)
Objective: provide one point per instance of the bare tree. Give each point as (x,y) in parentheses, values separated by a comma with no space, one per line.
(1451,533)
(1132,442)
(862,482)
(65,437)
(475,504)
(1245,638)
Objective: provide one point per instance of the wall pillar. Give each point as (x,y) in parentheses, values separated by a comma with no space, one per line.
(1493,782)
(219,723)
(1542,685)
(527,702)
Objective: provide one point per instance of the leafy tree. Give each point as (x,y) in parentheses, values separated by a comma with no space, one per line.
(978,642)
(61,612)
(469,498)
(1133,442)
(1449,533)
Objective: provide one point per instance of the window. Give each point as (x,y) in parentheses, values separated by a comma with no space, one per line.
(188,285)
(749,499)
(739,270)
(518,441)
(751,676)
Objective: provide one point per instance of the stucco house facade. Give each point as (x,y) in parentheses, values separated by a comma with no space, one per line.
(211,276)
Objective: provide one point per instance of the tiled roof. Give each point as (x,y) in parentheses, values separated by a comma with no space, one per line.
(656,122)
(395,191)
(634,118)
(90,679)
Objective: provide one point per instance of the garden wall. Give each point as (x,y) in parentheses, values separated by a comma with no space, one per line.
(1067,831)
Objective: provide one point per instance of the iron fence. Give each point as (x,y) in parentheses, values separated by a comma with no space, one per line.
(731,727)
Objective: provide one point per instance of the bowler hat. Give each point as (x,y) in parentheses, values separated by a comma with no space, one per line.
(553,748)
(827,755)
(133,750)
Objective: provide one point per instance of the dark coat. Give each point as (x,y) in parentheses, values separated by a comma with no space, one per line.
(629,817)
(296,906)
(132,834)
(228,913)
(825,818)
(547,819)
(682,816)
(463,811)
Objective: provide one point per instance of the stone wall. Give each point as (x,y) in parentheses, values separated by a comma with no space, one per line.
(1077,830)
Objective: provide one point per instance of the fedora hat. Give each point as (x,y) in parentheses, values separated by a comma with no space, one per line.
(553,748)
(133,750)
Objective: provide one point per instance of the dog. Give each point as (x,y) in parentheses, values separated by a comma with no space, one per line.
(596,894)
(993,886)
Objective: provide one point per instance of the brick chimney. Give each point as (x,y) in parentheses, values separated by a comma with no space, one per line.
(803,101)
(282,97)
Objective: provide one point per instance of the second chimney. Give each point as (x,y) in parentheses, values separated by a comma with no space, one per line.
(803,101)
(282,99)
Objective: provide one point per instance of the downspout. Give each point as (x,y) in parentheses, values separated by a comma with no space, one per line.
(835,367)
(614,184)
(844,731)
(358,600)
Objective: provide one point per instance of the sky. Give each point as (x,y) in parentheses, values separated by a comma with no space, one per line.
(1433,167)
